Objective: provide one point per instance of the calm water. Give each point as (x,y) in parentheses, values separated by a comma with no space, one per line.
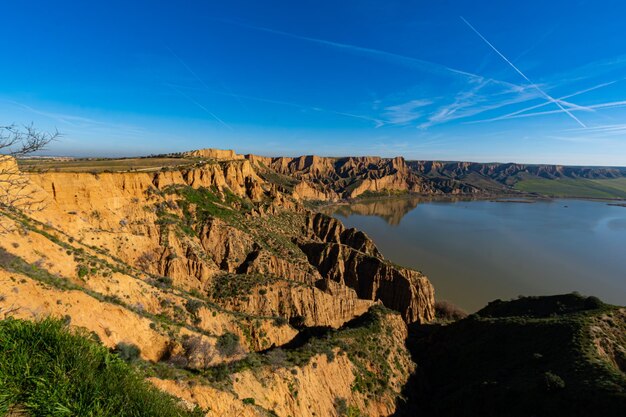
(477,251)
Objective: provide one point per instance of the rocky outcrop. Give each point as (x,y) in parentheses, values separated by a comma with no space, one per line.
(324,228)
(311,306)
(401,289)
(227,246)
(265,263)
(149,251)
(218,154)
(331,179)
(329,384)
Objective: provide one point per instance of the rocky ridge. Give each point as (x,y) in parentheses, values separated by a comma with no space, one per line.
(207,266)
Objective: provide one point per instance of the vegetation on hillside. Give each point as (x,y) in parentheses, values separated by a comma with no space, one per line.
(46,370)
(539,356)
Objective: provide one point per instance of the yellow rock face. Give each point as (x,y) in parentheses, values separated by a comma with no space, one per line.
(133,259)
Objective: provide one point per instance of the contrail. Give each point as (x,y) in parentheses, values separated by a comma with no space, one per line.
(592,107)
(192,72)
(577,93)
(213,115)
(197,77)
(535,86)
(378,122)
(423,64)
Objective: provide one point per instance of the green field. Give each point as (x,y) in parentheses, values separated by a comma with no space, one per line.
(569,187)
(101,165)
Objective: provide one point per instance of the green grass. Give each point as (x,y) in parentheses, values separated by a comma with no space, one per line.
(568,187)
(46,370)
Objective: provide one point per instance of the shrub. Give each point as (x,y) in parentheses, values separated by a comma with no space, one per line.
(127,351)
(445,310)
(164,282)
(553,381)
(193,306)
(593,303)
(228,344)
(341,406)
(277,358)
(82,271)
(248,401)
(198,353)
(280,321)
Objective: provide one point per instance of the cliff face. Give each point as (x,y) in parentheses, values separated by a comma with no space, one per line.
(328,384)
(204,266)
(332,179)
(217,154)
(320,178)
(402,289)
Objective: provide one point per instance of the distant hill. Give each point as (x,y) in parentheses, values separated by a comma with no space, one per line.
(332,179)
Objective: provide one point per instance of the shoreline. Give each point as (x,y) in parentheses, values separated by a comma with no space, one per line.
(495,198)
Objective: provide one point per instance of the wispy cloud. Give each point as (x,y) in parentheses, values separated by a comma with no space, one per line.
(546,95)
(406,112)
(612,104)
(611,129)
(561,99)
(478,99)
(75,122)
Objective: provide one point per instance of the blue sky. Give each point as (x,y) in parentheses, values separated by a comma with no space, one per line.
(531,81)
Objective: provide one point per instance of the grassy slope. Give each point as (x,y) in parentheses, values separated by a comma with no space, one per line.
(612,188)
(528,357)
(47,371)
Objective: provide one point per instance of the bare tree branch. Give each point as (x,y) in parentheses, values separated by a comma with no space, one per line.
(18,142)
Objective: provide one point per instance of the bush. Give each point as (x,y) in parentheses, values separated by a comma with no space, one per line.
(553,381)
(277,358)
(127,351)
(341,406)
(593,303)
(193,306)
(53,372)
(228,344)
(248,401)
(445,310)
(82,271)
(198,353)
(280,321)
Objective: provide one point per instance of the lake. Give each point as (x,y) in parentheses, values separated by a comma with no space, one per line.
(477,251)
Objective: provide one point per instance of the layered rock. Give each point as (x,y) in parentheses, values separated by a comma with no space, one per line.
(324,228)
(331,179)
(401,289)
(145,250)
(218,154)
(311,306)
(329,385)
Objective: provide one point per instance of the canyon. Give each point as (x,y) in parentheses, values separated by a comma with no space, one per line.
(239,297)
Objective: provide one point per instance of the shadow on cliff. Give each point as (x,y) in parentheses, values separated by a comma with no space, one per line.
(528,357)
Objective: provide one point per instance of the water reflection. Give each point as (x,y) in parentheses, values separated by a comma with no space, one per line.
(475,251)
(391,210)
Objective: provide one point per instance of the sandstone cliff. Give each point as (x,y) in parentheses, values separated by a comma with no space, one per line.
(212,267)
